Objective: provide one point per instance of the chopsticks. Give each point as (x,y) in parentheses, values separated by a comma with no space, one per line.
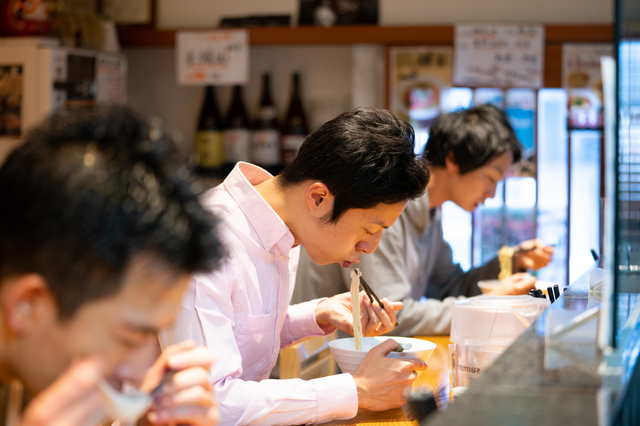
(370,292)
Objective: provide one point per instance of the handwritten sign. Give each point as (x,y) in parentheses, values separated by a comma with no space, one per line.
(213,57)
(499,55)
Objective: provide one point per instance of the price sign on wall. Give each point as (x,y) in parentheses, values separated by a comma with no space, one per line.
(499,55)
(213,57)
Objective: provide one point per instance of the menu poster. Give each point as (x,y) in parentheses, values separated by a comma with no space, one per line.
(582,79)
(499,55)
(417,77)
(213,57)
(581,65)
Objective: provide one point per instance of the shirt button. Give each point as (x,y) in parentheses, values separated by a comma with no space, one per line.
(304,328)
(282,257)
(268,244)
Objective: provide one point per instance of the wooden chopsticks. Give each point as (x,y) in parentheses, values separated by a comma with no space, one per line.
(370,292)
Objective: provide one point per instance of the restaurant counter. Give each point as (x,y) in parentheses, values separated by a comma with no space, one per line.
(518,390)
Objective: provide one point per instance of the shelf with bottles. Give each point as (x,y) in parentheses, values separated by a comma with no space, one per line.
(388,35)
(263,140)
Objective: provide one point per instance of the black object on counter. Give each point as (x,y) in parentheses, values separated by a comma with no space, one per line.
(552,297)
(421,403)
(556,290)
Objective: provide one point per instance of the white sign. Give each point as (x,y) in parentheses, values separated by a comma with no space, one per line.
(112,79)
(213,57)
(499,55)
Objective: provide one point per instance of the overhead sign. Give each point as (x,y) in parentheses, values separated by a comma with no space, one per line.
(499,55)
(212,57)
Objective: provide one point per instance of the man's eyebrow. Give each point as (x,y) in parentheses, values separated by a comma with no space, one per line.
(498,169)
(381,224)
(141,328)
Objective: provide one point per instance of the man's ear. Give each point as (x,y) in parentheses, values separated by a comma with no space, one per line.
(319,200)
(451,164)
(27,301)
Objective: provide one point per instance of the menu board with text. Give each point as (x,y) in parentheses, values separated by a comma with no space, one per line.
(499,55)
(212,57)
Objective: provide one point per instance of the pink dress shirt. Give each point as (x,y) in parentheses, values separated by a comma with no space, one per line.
(242,312)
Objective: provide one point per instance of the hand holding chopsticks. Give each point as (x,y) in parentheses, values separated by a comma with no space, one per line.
(370,292)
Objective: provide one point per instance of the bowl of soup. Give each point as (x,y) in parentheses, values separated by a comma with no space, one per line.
(348,358)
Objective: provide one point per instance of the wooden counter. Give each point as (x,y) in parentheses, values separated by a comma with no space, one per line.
(436,378)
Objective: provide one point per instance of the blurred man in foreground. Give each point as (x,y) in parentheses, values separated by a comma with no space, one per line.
(100,231)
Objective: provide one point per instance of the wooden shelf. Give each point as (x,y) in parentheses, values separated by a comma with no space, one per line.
(433,35)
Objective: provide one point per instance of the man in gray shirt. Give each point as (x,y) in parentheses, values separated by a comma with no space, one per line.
(469,152)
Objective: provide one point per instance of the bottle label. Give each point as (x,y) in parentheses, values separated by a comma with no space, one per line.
(290,147)
(267,113)
(266,147)
(237,145)
(210,147)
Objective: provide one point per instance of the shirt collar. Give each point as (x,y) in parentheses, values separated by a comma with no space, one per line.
(268,225)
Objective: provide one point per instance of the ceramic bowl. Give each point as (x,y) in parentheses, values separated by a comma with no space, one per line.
(348,358)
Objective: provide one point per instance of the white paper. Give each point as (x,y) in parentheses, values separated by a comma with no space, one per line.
(112,79)
(499,55)
(213,57)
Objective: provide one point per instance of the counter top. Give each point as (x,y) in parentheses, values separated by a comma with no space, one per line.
(518,390)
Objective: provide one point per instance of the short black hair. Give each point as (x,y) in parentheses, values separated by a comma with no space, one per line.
(474,136)
(90,190)
(365,157)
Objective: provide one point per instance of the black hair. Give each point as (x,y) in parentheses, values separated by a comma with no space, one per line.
(474,137)
(90,190)
(365,157)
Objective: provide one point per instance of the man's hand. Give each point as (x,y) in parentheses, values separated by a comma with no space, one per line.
(72,400)
(336,312)
(382,381)
(514,285)
(535,255)
(188,397)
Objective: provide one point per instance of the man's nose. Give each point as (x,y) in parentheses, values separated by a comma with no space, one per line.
(135,365)
(491,191)
(369,245)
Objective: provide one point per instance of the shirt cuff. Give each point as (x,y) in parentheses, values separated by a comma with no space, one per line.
(337,397)
(302,318)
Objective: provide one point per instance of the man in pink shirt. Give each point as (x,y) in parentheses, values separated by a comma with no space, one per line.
(351,179)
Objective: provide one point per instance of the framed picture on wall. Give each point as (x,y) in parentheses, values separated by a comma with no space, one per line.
(130,12)
(338,12)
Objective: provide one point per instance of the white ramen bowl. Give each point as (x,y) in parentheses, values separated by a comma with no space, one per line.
(348,358)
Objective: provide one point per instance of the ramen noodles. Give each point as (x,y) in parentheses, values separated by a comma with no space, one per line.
(505,257)
(355,307)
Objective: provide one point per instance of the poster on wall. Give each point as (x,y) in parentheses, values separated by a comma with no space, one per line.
(418,76)
(499,55)
(212,57)
(11,79)
(582,79)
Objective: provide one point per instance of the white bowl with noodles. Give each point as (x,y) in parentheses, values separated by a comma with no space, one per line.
(348,358)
